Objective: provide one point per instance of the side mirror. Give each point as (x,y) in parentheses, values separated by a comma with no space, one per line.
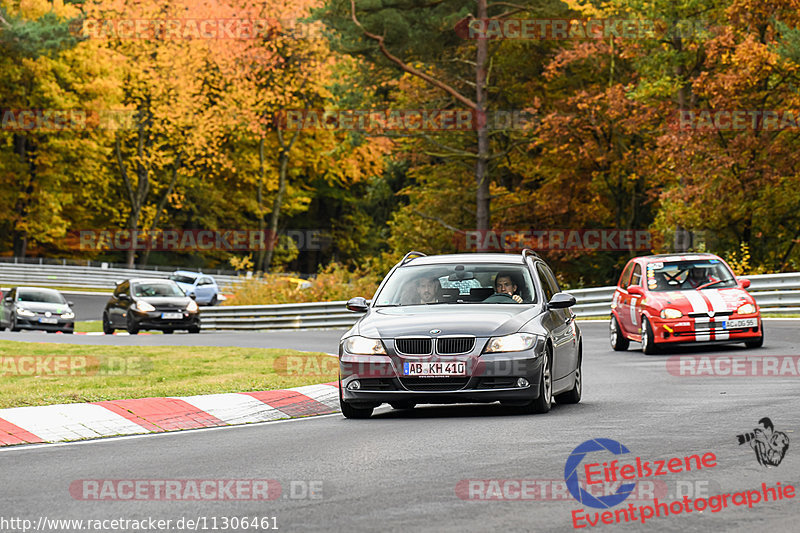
(743,283)
(8,299)
(561,300)
(635,290)
(193,296)
(358,304)
(124,296)
(70,304)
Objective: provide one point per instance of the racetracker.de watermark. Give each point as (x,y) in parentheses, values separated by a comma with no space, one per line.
(554,239)
(57,120)
(73,365)
(195,489)
(191,28)
(728,366)
(179,240)
(404,120)
(706,120)
(582,29)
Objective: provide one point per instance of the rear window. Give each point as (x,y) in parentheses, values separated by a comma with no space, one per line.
(453,284)
(181,278)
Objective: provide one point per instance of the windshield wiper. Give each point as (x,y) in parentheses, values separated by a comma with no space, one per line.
(707,285)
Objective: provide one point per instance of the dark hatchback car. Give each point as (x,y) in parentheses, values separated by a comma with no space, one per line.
(150,304)
(36,308)
(462,328)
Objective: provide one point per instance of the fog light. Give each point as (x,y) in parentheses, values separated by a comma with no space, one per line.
(522,383)
(354,385)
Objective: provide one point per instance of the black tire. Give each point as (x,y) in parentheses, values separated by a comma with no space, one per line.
(131,326)
(107,328)
(214,300)
(573,395)
(756,343)
(353,412)
(13,324)
(193,329)
(543,403)
(400,406)
(648,344)
(69,331)
(167,331)
(619,342)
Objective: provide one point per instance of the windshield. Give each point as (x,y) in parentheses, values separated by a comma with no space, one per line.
(180,278)
(456,284)
(685,275)
(156,289)
(49,297)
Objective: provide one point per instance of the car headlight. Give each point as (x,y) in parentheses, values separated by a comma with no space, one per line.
(144,307)
(68,315)
(192,307)
(746,309)
(364,346)
(670,313)
(24,312)
(515,342)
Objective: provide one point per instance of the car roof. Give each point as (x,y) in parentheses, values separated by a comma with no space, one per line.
(677,257)
(190,272)
(26,288)
(147,280)
(510,259)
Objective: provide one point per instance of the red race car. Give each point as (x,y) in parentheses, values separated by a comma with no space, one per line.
(681,299)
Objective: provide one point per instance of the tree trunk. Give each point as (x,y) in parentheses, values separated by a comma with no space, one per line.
(262,222)
(283,171)
(21,209)
(161,207)
(482,208)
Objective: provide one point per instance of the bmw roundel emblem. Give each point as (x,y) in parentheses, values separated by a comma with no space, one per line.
(435,331)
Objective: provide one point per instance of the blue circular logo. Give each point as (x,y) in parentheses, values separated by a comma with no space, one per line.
(571,474)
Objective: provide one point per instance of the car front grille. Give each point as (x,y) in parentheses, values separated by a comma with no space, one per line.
(434,384)
(705,315)
(454,345)
(419,346)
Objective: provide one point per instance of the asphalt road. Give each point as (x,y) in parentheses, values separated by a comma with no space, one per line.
(398,471)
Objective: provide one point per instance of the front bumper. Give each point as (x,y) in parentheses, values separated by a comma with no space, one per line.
(690,330)
(33,323)
(490,378)
(154,320)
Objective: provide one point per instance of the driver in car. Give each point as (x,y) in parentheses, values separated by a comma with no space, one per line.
(697,277)
(504,286)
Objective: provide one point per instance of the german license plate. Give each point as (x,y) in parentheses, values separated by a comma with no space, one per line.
(741,323)
(435,369)
(171,316)
(48,320)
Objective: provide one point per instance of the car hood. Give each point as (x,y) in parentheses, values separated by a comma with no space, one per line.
(451,319)
(42,307)
(702,301)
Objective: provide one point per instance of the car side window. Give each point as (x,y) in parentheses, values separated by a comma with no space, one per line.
(205,281)
(626,276)
(636,279)
(548,284)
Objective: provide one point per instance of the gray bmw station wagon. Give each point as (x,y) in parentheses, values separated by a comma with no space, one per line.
(462,328)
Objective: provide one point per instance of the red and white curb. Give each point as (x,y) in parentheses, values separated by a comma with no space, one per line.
(78,421)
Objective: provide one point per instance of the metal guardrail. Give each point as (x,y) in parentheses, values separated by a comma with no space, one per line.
(84,276)
(775,293)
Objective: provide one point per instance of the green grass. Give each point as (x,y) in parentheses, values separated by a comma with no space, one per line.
(120,372)
(89,326)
